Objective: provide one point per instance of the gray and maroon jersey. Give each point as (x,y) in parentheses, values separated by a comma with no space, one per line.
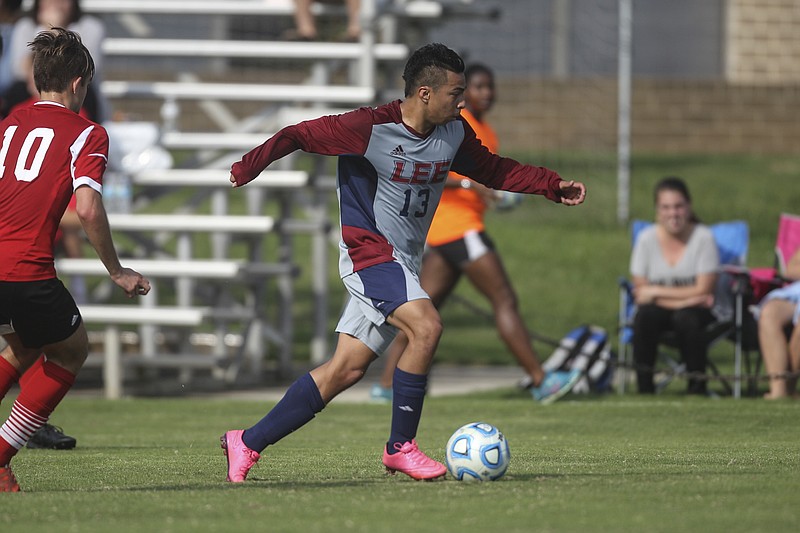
(390,178)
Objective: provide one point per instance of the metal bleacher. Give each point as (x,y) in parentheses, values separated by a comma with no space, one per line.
(239,299)
(224,263)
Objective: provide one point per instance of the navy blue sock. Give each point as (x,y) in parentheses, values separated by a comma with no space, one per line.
(408,394)
(298,406)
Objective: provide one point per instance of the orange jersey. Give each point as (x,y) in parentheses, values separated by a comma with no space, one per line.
(461,210)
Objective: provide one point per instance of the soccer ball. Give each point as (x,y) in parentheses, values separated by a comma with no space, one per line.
(507,200)
(477,452)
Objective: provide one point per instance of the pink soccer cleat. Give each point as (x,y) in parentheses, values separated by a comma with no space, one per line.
(8,483)
(412,462)
(240,458)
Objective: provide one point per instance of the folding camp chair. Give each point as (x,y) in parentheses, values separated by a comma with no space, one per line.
(761,281)
(788,240)
(786,243)
(732,239)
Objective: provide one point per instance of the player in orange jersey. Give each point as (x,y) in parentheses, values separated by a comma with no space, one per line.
(458,244)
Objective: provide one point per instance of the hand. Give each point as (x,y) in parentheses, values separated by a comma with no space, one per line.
(240,181)
(645,294)
(572,192)
(133,283)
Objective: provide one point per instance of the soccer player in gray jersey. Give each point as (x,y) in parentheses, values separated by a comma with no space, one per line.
(393,163)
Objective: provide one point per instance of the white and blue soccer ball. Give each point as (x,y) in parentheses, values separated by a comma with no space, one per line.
(477,452)
(507,200)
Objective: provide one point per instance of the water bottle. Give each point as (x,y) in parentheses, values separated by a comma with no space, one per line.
(117,192)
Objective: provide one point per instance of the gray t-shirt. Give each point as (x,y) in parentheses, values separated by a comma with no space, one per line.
(91,30)
(701,257)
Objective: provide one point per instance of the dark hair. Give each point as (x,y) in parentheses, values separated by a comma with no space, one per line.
(11,6)
(477,68)
(75,16)
(672,183)
(675,184)
(59,56)
(427,66)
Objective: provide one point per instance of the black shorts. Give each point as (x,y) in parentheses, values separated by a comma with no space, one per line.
(462,252)
(40,312)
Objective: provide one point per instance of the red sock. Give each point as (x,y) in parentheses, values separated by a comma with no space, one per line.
(43,390)
(8,376)
(26,377)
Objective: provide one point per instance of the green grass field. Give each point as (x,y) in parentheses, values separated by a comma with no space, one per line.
(615,463)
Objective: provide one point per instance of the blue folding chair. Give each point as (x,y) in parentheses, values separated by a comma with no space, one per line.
(732,239)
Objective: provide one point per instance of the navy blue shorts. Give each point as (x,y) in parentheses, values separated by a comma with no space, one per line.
(375,292)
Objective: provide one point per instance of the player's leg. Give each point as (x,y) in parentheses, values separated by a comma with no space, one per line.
(44,389)
(382,390)
(772,320)
(344,369)
(47,320)
(9,374)
(486,272)
(391,298)
(421,323)
(438,278)
(488,276)
(363,333)
(15,359)
(48,436)
(302,401)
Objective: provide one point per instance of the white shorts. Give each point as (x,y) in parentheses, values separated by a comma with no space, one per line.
(375,292)
(790,293)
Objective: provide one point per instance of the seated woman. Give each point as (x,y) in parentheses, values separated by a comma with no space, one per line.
(779,311)
(674,267)
(45,14)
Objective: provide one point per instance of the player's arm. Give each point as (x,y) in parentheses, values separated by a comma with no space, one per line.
(259,158)
(93,217)
(329,135)
(473,159)
(89,166)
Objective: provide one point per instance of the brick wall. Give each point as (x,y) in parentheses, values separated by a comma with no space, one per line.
(668,116)
(763,41)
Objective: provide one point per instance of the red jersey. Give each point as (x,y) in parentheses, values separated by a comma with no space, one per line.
(47,152)
(32,101)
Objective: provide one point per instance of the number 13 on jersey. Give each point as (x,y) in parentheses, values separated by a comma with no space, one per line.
(424,196)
